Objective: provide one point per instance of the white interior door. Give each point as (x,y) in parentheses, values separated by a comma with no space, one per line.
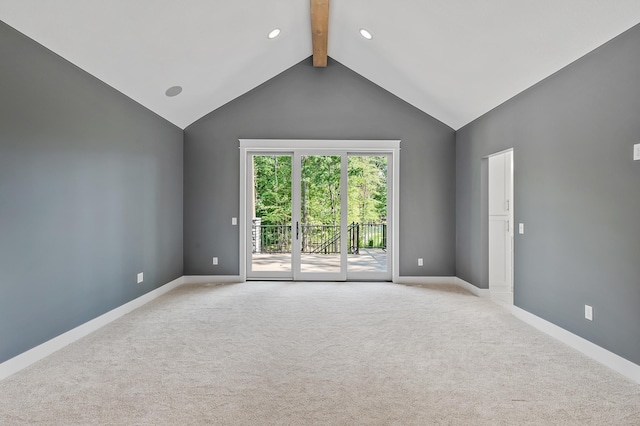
(501,226)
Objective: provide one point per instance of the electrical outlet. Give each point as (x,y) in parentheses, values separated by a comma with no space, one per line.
(420,262)
(215,260)
(234,220)
(636,152)
(588,312)
(140,277)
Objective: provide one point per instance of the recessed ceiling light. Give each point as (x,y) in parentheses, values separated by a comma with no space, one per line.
(366,34)
(173,91)
(274,33)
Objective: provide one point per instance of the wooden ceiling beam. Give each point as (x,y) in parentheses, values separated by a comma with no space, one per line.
(320,31)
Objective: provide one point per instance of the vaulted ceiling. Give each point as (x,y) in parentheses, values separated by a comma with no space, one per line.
(453,59)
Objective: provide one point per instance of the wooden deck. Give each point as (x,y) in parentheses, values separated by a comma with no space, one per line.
(369,260)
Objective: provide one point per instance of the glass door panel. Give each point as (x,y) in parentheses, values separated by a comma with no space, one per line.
(270,209)
(320,225)
(320,213)
(367,230)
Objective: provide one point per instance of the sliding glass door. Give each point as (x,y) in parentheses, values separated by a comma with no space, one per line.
(318,214)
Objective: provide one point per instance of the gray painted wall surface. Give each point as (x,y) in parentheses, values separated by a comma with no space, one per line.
(90,195)
(324,103)
(577,190)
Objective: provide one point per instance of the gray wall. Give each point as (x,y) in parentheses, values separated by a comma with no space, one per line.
(319,103)
(577,190)
(90,195)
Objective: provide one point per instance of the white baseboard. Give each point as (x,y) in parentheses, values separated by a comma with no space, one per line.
(598,353)
(45,349)
(502,298)
(426,280)
(480,292)
(204,279)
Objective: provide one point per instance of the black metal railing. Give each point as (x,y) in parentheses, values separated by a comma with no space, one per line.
(371,235)
(323,239)
(271,238)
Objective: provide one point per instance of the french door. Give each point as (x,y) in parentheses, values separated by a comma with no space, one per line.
(317,214)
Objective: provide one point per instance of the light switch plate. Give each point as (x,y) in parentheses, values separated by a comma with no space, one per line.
(215,260)
(636,152)
(140,277)
(521,228)
(234,220)
(588,312)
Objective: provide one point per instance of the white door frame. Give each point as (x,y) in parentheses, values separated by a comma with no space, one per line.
(373,147)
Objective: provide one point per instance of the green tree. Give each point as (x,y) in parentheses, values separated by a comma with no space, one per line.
(272,183)
(367,189)
(320,189)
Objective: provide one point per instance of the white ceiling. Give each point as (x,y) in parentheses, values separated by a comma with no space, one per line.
(453,59)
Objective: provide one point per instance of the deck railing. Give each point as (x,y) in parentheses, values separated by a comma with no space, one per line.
(323,239)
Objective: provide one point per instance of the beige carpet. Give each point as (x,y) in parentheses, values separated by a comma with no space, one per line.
(318,353)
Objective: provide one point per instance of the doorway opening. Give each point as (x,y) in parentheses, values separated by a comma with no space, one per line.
(318,210)
(500,226)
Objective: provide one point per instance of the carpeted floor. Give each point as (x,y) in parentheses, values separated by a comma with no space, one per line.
(318,353)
